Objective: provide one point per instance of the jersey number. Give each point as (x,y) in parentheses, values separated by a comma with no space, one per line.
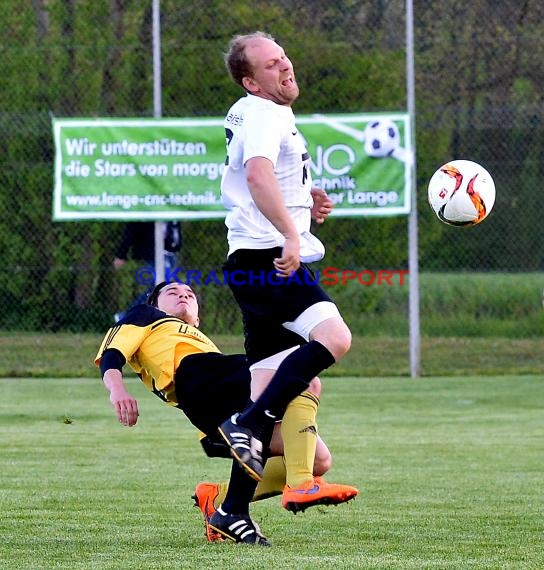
(305,157)
(229,134)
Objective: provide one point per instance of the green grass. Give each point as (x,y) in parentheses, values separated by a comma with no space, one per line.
(450,472)
(456,304)
(43,355)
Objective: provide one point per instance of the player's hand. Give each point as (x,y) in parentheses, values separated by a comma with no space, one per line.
(126,407)
(289,261)
(322,207)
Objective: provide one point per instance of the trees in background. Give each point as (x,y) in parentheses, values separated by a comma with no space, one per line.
(479,96)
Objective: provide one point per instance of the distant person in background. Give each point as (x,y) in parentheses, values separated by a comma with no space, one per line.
(138,243)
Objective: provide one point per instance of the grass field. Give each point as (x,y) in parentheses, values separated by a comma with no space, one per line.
(450,472)
(43,355)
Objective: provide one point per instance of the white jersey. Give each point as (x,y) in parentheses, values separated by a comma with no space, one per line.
(258,127)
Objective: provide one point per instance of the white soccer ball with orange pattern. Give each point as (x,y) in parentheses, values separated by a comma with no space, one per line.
(461,193)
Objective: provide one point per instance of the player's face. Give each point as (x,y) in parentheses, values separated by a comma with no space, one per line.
(179,301)
(273,75)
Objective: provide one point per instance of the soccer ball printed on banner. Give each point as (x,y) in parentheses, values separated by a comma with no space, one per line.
(461,193)
(381,138)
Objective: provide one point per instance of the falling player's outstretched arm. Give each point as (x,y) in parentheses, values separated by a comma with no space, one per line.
(124,404)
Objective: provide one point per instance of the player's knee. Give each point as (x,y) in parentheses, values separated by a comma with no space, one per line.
(323,458)
(322,463)
(342,343)
(339,343)
(315,387)
(335,335)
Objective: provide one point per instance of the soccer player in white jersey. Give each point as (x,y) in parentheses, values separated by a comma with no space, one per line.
(267,190)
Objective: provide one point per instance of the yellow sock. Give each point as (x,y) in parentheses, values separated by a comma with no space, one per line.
(273,480)
(272,483)
(222,494)
(299,434)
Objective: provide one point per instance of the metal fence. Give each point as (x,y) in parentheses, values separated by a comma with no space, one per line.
(478,97)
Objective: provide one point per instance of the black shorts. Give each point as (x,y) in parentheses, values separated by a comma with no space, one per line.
(267,301)
(210,387)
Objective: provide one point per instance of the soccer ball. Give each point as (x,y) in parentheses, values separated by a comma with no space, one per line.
(382,138)
(461,193)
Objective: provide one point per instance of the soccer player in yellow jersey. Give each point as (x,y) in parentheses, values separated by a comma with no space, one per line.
(160,341)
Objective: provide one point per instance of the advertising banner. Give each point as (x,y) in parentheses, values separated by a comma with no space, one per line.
(161,169)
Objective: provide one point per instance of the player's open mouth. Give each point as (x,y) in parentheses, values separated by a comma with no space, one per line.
(288,82)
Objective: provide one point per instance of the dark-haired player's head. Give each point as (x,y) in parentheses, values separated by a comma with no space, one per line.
(153,296)
(176,299)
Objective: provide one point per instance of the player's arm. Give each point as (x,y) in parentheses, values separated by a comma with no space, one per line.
(265,191)
(124,404)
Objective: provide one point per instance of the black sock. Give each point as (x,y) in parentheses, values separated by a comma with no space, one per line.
(292,377)
(239,492)
(242,487)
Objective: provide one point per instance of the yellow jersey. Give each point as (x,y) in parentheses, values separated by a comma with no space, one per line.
(153,344)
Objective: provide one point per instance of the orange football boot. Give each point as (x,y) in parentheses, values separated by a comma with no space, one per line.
(316,492)
(205,493)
